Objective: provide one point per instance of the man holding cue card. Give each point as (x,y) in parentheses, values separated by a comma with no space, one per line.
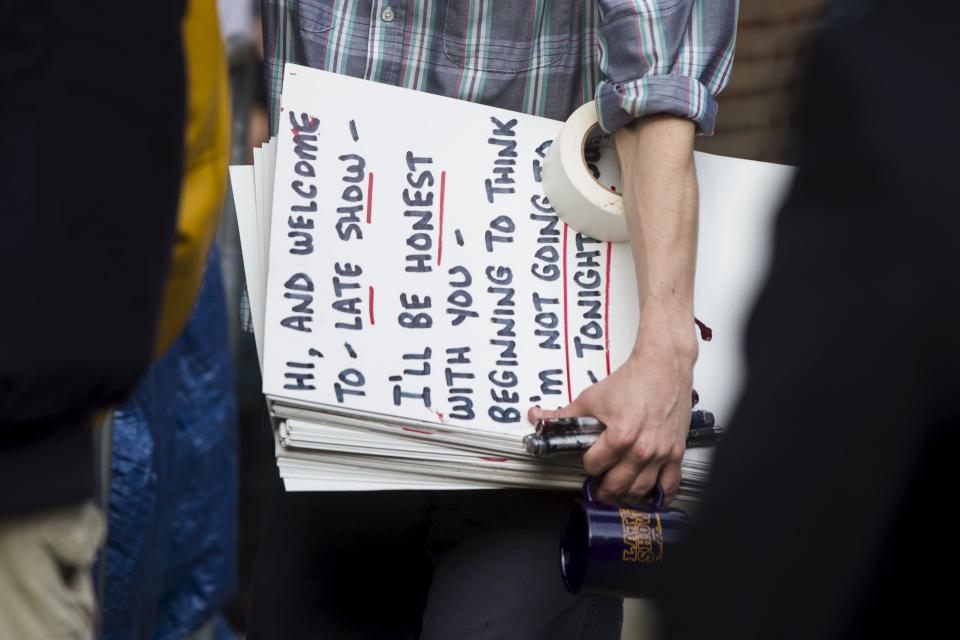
(483,564)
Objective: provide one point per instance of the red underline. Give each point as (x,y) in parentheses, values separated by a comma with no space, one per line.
(443,189)
(606,310)
(566,337)
(370,197)
(370,303)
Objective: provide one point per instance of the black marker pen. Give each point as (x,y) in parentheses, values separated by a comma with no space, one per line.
(561,435)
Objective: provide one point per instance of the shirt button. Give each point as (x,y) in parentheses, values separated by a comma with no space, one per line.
(388,15)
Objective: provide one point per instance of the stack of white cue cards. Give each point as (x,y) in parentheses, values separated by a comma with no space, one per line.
(413,293)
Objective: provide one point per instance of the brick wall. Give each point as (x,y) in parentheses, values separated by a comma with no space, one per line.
(754,114)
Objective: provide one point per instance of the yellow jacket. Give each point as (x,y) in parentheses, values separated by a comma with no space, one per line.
(207,152)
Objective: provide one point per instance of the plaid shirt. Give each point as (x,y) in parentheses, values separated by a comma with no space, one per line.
(544,57)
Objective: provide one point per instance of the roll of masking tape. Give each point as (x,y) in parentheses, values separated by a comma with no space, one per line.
(574,189)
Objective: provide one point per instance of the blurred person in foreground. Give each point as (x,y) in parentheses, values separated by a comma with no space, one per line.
(91,156)
(169,559)
(826,516)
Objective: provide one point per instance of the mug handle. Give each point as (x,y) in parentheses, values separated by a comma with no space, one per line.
(657,493)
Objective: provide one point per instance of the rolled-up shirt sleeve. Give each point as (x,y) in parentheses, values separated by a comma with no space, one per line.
(664,56)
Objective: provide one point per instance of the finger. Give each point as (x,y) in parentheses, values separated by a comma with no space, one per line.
(602,455)
(534,414)
(538,413)
(580,407)
(617,482)
(670,475)
(644,482)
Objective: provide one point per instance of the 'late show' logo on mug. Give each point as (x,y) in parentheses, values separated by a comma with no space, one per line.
(642,536)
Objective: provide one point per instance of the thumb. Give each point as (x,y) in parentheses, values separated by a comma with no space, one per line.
(580,407)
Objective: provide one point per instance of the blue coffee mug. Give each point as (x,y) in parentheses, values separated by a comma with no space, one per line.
(619,550)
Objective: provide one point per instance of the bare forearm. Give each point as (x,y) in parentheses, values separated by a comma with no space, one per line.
(645,403)
(660,202)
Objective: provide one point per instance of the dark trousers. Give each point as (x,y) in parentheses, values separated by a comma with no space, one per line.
(408,564)
(827,516)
